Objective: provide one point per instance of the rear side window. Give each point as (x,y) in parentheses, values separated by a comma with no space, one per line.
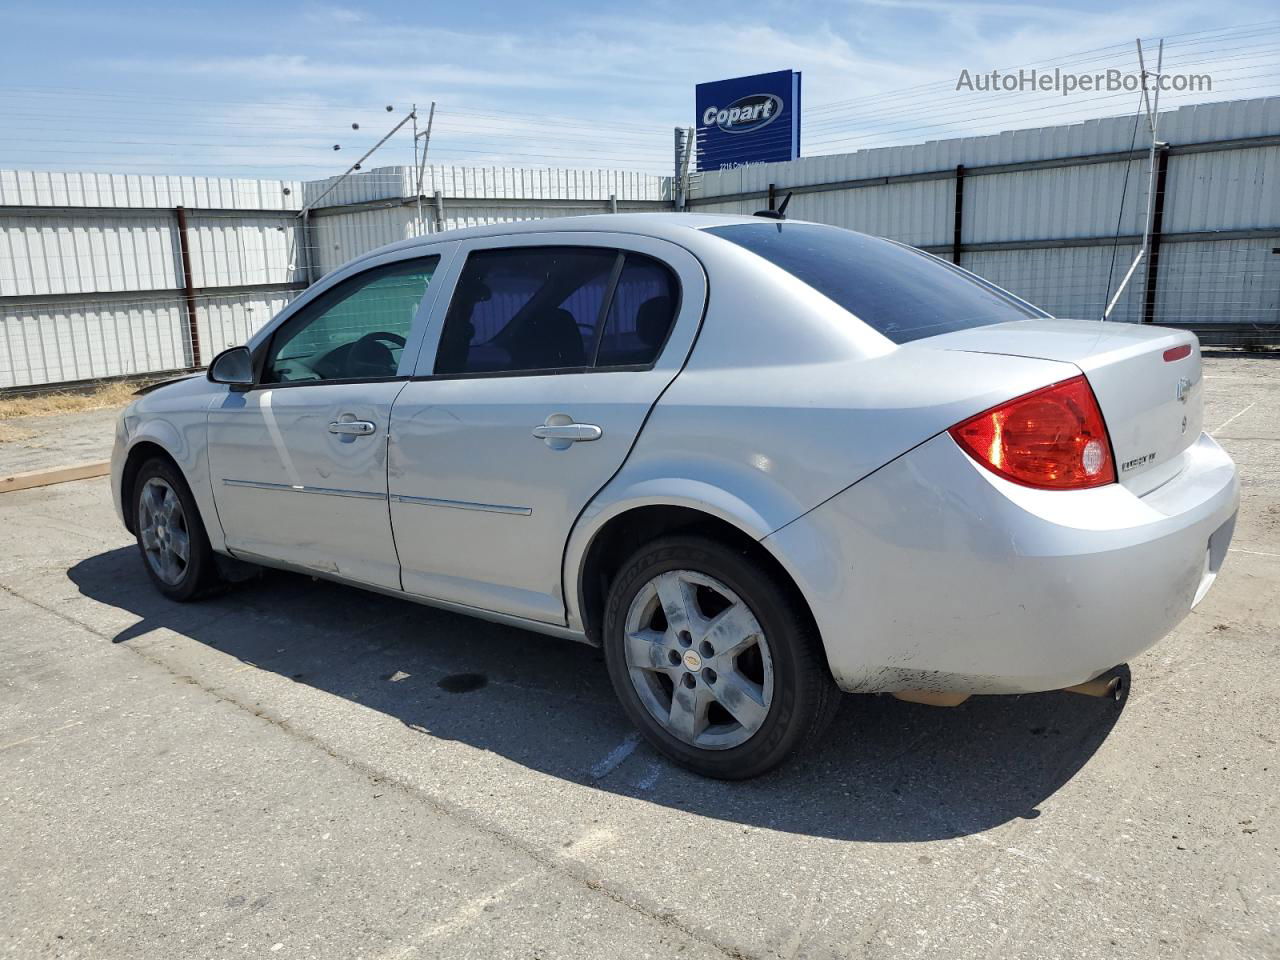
(524,309)
(528,309)
(901,292)
(640,315)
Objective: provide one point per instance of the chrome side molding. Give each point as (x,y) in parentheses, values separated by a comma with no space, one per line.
(371,495)
(302,488)
(463,505)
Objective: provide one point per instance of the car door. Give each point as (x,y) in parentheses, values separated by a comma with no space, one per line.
(536,377)
(298,461)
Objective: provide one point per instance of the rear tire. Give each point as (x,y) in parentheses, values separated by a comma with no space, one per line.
(170,533)
(718,665)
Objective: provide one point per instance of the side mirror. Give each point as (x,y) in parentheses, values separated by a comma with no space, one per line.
(233,367)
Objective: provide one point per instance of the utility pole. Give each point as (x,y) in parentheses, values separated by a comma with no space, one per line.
(304,215)
(422,163)
(413,112)
(684,153)
(1152,106)
(1153,120)
(355,166)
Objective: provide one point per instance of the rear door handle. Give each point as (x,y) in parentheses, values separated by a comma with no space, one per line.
(571,432)
(352,428)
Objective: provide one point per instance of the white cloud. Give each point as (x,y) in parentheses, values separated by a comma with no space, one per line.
(622,80)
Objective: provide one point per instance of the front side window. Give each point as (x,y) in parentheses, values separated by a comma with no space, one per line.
(899,291)
(355,331)
(526,308)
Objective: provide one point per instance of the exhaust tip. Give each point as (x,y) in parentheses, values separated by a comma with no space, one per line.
(1111,684)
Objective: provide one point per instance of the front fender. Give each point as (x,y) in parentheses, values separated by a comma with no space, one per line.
(179,431)
(163,434)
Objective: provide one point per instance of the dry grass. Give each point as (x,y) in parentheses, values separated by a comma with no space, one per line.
(12,434)
(46,404)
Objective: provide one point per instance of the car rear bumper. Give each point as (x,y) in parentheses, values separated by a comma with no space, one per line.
(935,574)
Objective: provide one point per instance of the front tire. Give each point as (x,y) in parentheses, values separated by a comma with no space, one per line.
(717,664)
(171,538)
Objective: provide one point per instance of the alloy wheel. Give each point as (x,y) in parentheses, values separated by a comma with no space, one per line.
(162,528)
(698,659)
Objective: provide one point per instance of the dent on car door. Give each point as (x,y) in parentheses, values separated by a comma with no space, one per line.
(550,355)
(299,461)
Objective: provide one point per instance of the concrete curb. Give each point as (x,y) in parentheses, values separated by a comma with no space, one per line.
(43,478)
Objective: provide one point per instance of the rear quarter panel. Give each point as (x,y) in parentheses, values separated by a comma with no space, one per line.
(785,438)
(786,399)
(753,435)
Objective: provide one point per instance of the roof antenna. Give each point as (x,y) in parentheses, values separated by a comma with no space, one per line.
(780,213)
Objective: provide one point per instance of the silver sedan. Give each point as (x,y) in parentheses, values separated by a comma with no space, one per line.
(759,462)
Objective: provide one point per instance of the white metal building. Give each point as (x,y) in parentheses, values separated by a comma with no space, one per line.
(94,280)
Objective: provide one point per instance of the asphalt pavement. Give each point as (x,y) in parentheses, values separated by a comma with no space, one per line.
(297,769)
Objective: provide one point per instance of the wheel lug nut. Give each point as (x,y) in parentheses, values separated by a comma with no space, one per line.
(684,639)
(688,681)
(709,675)
(707,649)
(673,657)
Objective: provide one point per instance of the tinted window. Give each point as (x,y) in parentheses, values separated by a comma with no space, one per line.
(525,308)
(901,292)
(640,315)
(355,331)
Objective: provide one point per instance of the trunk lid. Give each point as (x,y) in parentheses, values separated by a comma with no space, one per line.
(1153,406)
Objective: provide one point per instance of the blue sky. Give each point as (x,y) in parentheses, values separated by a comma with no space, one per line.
(267,89)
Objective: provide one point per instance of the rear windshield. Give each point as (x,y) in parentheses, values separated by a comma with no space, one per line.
(901,292)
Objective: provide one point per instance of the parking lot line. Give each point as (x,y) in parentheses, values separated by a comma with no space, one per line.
(37,736)
(465,915)
(1253,553)
(615,756)
(1230,420)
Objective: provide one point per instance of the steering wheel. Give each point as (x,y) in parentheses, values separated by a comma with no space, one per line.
(370,355)
(380,335)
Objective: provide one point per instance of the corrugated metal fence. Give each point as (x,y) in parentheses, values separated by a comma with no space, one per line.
(1057,214)
(105,275)
(94,281)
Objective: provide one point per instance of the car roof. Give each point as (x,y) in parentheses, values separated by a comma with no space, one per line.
(672,226)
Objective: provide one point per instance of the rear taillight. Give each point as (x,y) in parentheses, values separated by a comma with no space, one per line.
(1054,438)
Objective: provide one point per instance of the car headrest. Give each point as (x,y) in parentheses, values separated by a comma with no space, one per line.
(653,319)
(473,290)
(563,340)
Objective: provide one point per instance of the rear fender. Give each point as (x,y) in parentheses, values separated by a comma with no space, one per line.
(749,515)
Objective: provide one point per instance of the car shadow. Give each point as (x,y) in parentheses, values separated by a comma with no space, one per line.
(886,771)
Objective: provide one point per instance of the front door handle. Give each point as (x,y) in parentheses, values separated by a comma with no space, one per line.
(352,428)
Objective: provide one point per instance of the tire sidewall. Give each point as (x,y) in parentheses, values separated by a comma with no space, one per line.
(783,728)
